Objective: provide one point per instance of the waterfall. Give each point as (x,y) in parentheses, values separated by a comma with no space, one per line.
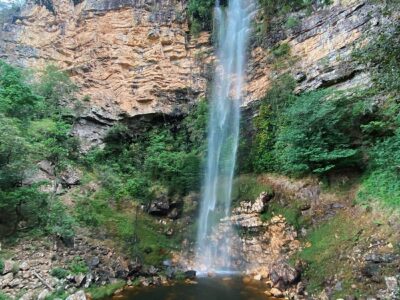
(231,31)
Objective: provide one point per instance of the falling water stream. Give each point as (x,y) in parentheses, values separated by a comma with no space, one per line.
(231,32)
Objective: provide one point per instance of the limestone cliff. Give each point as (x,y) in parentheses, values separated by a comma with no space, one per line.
(320,47)
(132,58)
(136,59)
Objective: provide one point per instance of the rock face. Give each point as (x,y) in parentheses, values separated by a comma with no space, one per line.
(136,60)
(132,58)
(321,48)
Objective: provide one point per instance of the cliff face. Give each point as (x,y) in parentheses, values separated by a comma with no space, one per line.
(320,48)
(132,58)
(136,59)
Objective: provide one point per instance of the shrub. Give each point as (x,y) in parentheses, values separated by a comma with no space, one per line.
(78,265)
(200,12)
(281,50)
(319,134)
(59,273)
(1,266)
(292,22)
(102,292)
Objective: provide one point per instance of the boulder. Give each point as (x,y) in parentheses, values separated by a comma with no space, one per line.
(8,266)
(159,206)
(43,294)
(191,274)
(174,214)
(6,280)
(24,266)
(70,177)
(94,262)
(283,275)
(276,293)
(80,279)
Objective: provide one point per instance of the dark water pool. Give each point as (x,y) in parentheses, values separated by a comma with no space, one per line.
(206,289)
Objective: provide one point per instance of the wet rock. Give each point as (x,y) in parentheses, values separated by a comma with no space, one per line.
(257,277)
(191,274)
(283,275)
(276,293)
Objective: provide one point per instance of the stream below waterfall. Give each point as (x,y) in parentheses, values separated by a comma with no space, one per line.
(217,288)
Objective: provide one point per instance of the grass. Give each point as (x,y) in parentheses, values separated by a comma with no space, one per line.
(323,250)
(105,291)
(3,296)
(383,186)
(57,295)
(248,188)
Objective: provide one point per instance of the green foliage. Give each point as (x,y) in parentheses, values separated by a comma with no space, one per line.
(266,124)
(291,211)
(59,273)
(58,221)
(78,265)
(200,13)
(273,8)
(1,266)
(32,129)
(382,54)
(281,50)
(17,99)
(102,292)
(168,154)
(326,243)
(292,22)
(319,134)
(143,239)
(4,296)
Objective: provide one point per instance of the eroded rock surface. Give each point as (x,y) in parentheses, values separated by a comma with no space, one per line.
(131,57)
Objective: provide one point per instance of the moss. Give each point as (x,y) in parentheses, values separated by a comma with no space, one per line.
(291,211)
(323,249)
(105,291)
